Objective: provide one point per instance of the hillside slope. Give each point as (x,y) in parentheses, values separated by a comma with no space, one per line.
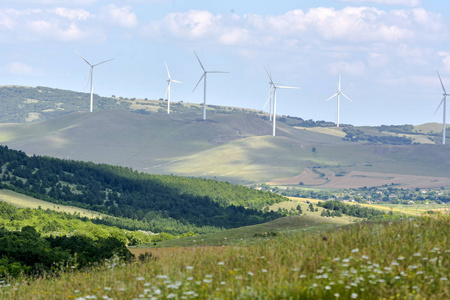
(234,147)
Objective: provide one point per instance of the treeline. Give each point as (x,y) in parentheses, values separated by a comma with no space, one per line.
(122,192)
(354,135)
(47,103)
(299,122)
(54,223)
(26,252)
(351,210)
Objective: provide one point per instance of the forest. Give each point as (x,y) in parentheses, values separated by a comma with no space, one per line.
(354,135)
(170,204)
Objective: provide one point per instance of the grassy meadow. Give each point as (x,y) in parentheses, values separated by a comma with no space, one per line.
(405,259)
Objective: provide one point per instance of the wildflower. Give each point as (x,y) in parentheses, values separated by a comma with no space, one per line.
(417,254)
(190,278)
(336,295)
(189,268)
(264,270)
(302,276)
(327,287)
(365,257)
(354,295)
(171,296)
(400,257)
(433,259)
(207,280)
(106,288)
(140,278)
(220,263)
(208,276)
(223,283)
(355,250)
(444,279)
(394,263)
(250,273)
(295,270)
(160,277)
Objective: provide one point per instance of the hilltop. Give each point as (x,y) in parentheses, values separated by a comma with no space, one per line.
(232,145)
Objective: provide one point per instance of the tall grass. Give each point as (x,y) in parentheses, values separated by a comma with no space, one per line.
(407,259)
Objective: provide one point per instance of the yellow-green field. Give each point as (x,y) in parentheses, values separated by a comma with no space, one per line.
(23,201)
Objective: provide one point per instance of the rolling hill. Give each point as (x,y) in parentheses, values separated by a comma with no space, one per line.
(232,144)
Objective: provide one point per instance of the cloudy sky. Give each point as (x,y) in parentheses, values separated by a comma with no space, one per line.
(388,52)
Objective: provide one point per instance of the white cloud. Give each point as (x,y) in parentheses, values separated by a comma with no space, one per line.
(121,16)
(352,68)
(193,24)
(20,68)
(72,14)
(445,56)
(411,3)
(55,2)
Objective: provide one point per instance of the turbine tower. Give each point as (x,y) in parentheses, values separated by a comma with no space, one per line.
(338,94)
(273,91)
(169,81)
(204,82)
(272,84)
(91,75)
(444,100)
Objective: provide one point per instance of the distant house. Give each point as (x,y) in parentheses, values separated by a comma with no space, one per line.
(411,202)
(258,188)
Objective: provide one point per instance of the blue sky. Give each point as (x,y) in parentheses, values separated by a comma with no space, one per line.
(388,52)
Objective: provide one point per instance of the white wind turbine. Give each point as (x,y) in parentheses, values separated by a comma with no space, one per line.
(338,94)
(274,89)
(169,81)
(91,75)
(204,86)
(444,100)
(272,84)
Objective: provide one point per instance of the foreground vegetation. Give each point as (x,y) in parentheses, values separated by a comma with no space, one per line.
(370,260)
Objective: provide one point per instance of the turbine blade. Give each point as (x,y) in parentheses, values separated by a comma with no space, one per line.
(286,87)
(199,81)
(176,81)
(333,96)
(216,72)
(268,74)
(83,58)
(199,62)
(346,97)
(339,87)
(440,104)
(268,98)
(167,68)
(441,82)
(103,62)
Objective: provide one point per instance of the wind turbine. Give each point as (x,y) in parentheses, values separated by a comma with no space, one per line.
(274,88)
(444,100)
(338,94)
(169,81)
(204,86)
(272,84)
(91,75)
